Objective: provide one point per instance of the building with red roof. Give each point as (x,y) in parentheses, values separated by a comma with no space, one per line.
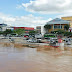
(27,29)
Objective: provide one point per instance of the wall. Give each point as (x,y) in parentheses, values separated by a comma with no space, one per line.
(38,29)
(4,28)
(51,28)
(67,18)
(43,31)
(57,29)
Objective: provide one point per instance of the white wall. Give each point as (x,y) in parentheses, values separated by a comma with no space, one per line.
(42,30)
(4,28)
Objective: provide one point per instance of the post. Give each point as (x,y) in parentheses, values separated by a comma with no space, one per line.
(60,26)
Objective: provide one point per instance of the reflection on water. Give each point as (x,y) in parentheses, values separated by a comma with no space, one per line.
(15,58)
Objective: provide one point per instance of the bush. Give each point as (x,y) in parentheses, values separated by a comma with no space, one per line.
(67,34)
(59,31)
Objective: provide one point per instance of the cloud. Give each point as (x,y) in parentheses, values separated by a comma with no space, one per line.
(49,6)
(64,15)
(26,21)
(19,6)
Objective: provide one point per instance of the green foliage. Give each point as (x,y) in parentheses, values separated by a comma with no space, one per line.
(32,32)
(1,32)
(0,27)
(59,31)
(19,31)
(8,31)
(67,34)
(47,26)
(66,27)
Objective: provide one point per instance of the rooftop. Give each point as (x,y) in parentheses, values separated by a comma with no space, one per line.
(58,21)
(3,25)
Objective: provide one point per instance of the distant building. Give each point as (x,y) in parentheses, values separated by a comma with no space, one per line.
(38,29)
(10,27)
(26,29)
(57,24)
(3,27)
(68,18)
(43,31)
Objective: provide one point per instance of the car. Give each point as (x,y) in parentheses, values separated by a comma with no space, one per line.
(68,43)
(29,40)
(26,36)
(66,39)
(48,39)
(39,40)
(32,40)
(53,40)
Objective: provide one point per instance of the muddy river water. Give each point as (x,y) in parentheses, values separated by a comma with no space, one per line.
(17,59)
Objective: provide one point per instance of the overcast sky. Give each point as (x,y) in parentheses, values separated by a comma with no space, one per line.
(32,13)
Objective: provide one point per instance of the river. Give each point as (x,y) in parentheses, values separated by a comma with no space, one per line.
(17,59)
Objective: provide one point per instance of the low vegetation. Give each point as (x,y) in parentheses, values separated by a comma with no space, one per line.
(8,31)
(65,33)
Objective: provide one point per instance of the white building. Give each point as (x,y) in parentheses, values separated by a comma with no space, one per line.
(43,31)
(10,27)
(3,27)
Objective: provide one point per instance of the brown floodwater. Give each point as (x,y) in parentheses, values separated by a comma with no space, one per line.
(23,59)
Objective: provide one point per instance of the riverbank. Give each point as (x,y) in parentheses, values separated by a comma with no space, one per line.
(21,42)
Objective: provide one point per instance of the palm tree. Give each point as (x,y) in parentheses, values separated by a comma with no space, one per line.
(47,27)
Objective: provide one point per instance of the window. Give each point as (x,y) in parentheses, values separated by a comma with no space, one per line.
(57,26)
(38,27)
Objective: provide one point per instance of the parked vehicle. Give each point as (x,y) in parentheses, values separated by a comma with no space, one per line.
(38,36)
(26,36)
(14,34)
(53,40)
(67,41)
(32,40)
(39,40)
(49,39)
(49,36)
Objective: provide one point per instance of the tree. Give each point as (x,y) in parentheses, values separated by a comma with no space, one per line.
(1,32)
(19,31)
(47,27)
(0,28)
(32,32)
(66,27)
(8,31)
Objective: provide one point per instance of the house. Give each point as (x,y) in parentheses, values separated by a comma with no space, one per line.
(57,23)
